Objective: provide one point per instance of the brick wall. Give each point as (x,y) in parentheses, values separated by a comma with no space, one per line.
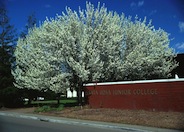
(155,95)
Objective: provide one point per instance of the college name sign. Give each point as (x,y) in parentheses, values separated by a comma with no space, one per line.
(157,95)
(123,92)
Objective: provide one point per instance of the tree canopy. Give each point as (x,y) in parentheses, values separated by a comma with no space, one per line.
(91,45)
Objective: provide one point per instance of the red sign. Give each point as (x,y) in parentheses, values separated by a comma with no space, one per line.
(155,95)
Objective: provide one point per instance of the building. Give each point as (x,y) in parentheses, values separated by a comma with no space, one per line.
(72,94)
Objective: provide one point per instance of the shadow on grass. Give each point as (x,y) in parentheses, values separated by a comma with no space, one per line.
(71,104)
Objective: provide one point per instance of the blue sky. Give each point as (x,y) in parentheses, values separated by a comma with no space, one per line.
(165,14)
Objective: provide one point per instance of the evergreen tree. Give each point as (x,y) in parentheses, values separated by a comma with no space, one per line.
(31,22)
(7,44)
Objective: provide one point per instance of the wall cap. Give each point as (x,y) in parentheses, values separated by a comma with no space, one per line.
(136,82)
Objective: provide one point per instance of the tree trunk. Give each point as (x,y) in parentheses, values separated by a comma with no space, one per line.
(29,102)
(79,93)
(58,99)
(79,96)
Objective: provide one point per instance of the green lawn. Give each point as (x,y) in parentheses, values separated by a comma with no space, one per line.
(51,105)
(62,101)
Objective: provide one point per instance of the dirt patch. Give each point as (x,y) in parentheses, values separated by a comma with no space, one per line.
(173,120)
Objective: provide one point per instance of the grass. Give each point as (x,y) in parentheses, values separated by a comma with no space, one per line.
(47,108)
(51,105)
(63,101)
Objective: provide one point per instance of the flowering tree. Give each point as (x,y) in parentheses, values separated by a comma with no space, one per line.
(91,45)
(36,68)
(146,52)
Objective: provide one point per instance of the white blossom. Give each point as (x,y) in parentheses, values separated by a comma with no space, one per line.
(91,45)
